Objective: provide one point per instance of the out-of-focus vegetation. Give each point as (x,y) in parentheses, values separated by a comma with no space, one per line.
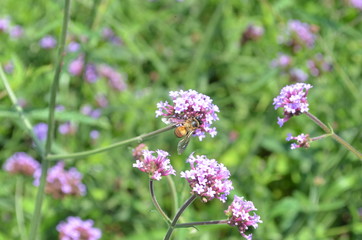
(159,46)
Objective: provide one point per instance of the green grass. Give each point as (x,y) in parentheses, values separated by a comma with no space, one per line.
(310,193)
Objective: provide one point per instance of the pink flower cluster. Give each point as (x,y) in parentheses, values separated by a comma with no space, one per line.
(75,228)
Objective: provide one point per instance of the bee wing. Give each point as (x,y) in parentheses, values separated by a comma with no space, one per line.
(181,146)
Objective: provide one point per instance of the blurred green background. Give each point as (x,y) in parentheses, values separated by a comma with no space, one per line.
(167,45)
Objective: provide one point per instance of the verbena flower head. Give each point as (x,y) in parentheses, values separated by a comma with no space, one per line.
(61,182)
(293,100)
(21,163)
(303,140)
(318,65)
(189,104)
(75,228)
(155,166)
(252,33)
(137,152)
(48,42)
(239,215)
(4,24)
(67,128)
(41,131)
(208,178)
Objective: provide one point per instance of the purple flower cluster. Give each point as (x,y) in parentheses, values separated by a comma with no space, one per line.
(90,111)
(303,140)
(61,183)
(156,167)
(137,152)
(116,79)
(21,163)
(109,35)
(190,104)
(293,100)
(299,34)
(14,32)
(239,216)
(208,178)
(356,4)
(75,228)
(48,42)
(41,131)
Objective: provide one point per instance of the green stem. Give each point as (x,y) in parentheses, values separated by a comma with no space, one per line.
(51,125)
(103,149)
(174,194)
(158,207)
(24,119)
(19,207)
(330,132)
(178,215)
(192,224)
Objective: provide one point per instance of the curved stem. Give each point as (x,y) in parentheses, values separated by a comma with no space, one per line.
(103,149)
(178,215)
(19,109)
(51,125)
(192,224)
(158,207)
(19,207)
(330,132)
(171,183)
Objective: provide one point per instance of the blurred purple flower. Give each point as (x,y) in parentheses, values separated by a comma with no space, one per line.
(190,104)
(4,24)
(156,167)
(89,111)
(356,4)
(318,65)
(297,75)
(91,74)
(208,178)
(293,100)
(59,108)
(116,79)
(74,228)
(299,34)
(239,215)
(75,67)
(67,128)
(252,33)
(110,36)
(21,163)
(48,42)
(16,32)
(41,131)
(9,67)
(101,100)
(282,61)
(73,46)
(94,134)
(61,183)
(303,140)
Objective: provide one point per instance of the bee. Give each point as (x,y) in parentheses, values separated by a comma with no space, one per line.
(185,132)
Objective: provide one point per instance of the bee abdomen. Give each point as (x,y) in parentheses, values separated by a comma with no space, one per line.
(180,131)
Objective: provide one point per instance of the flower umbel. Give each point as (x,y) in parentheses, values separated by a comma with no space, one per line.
(21,163)
(239,216)
(293,100)
(61,183)
(303,140)
(208,178)
(156,167)
(190,104)
(77,229)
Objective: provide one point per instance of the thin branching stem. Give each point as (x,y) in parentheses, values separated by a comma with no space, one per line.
(192,224)
(110,147)
(330,132)
(178,215)
(51,125)
(155,202)
(19,208)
